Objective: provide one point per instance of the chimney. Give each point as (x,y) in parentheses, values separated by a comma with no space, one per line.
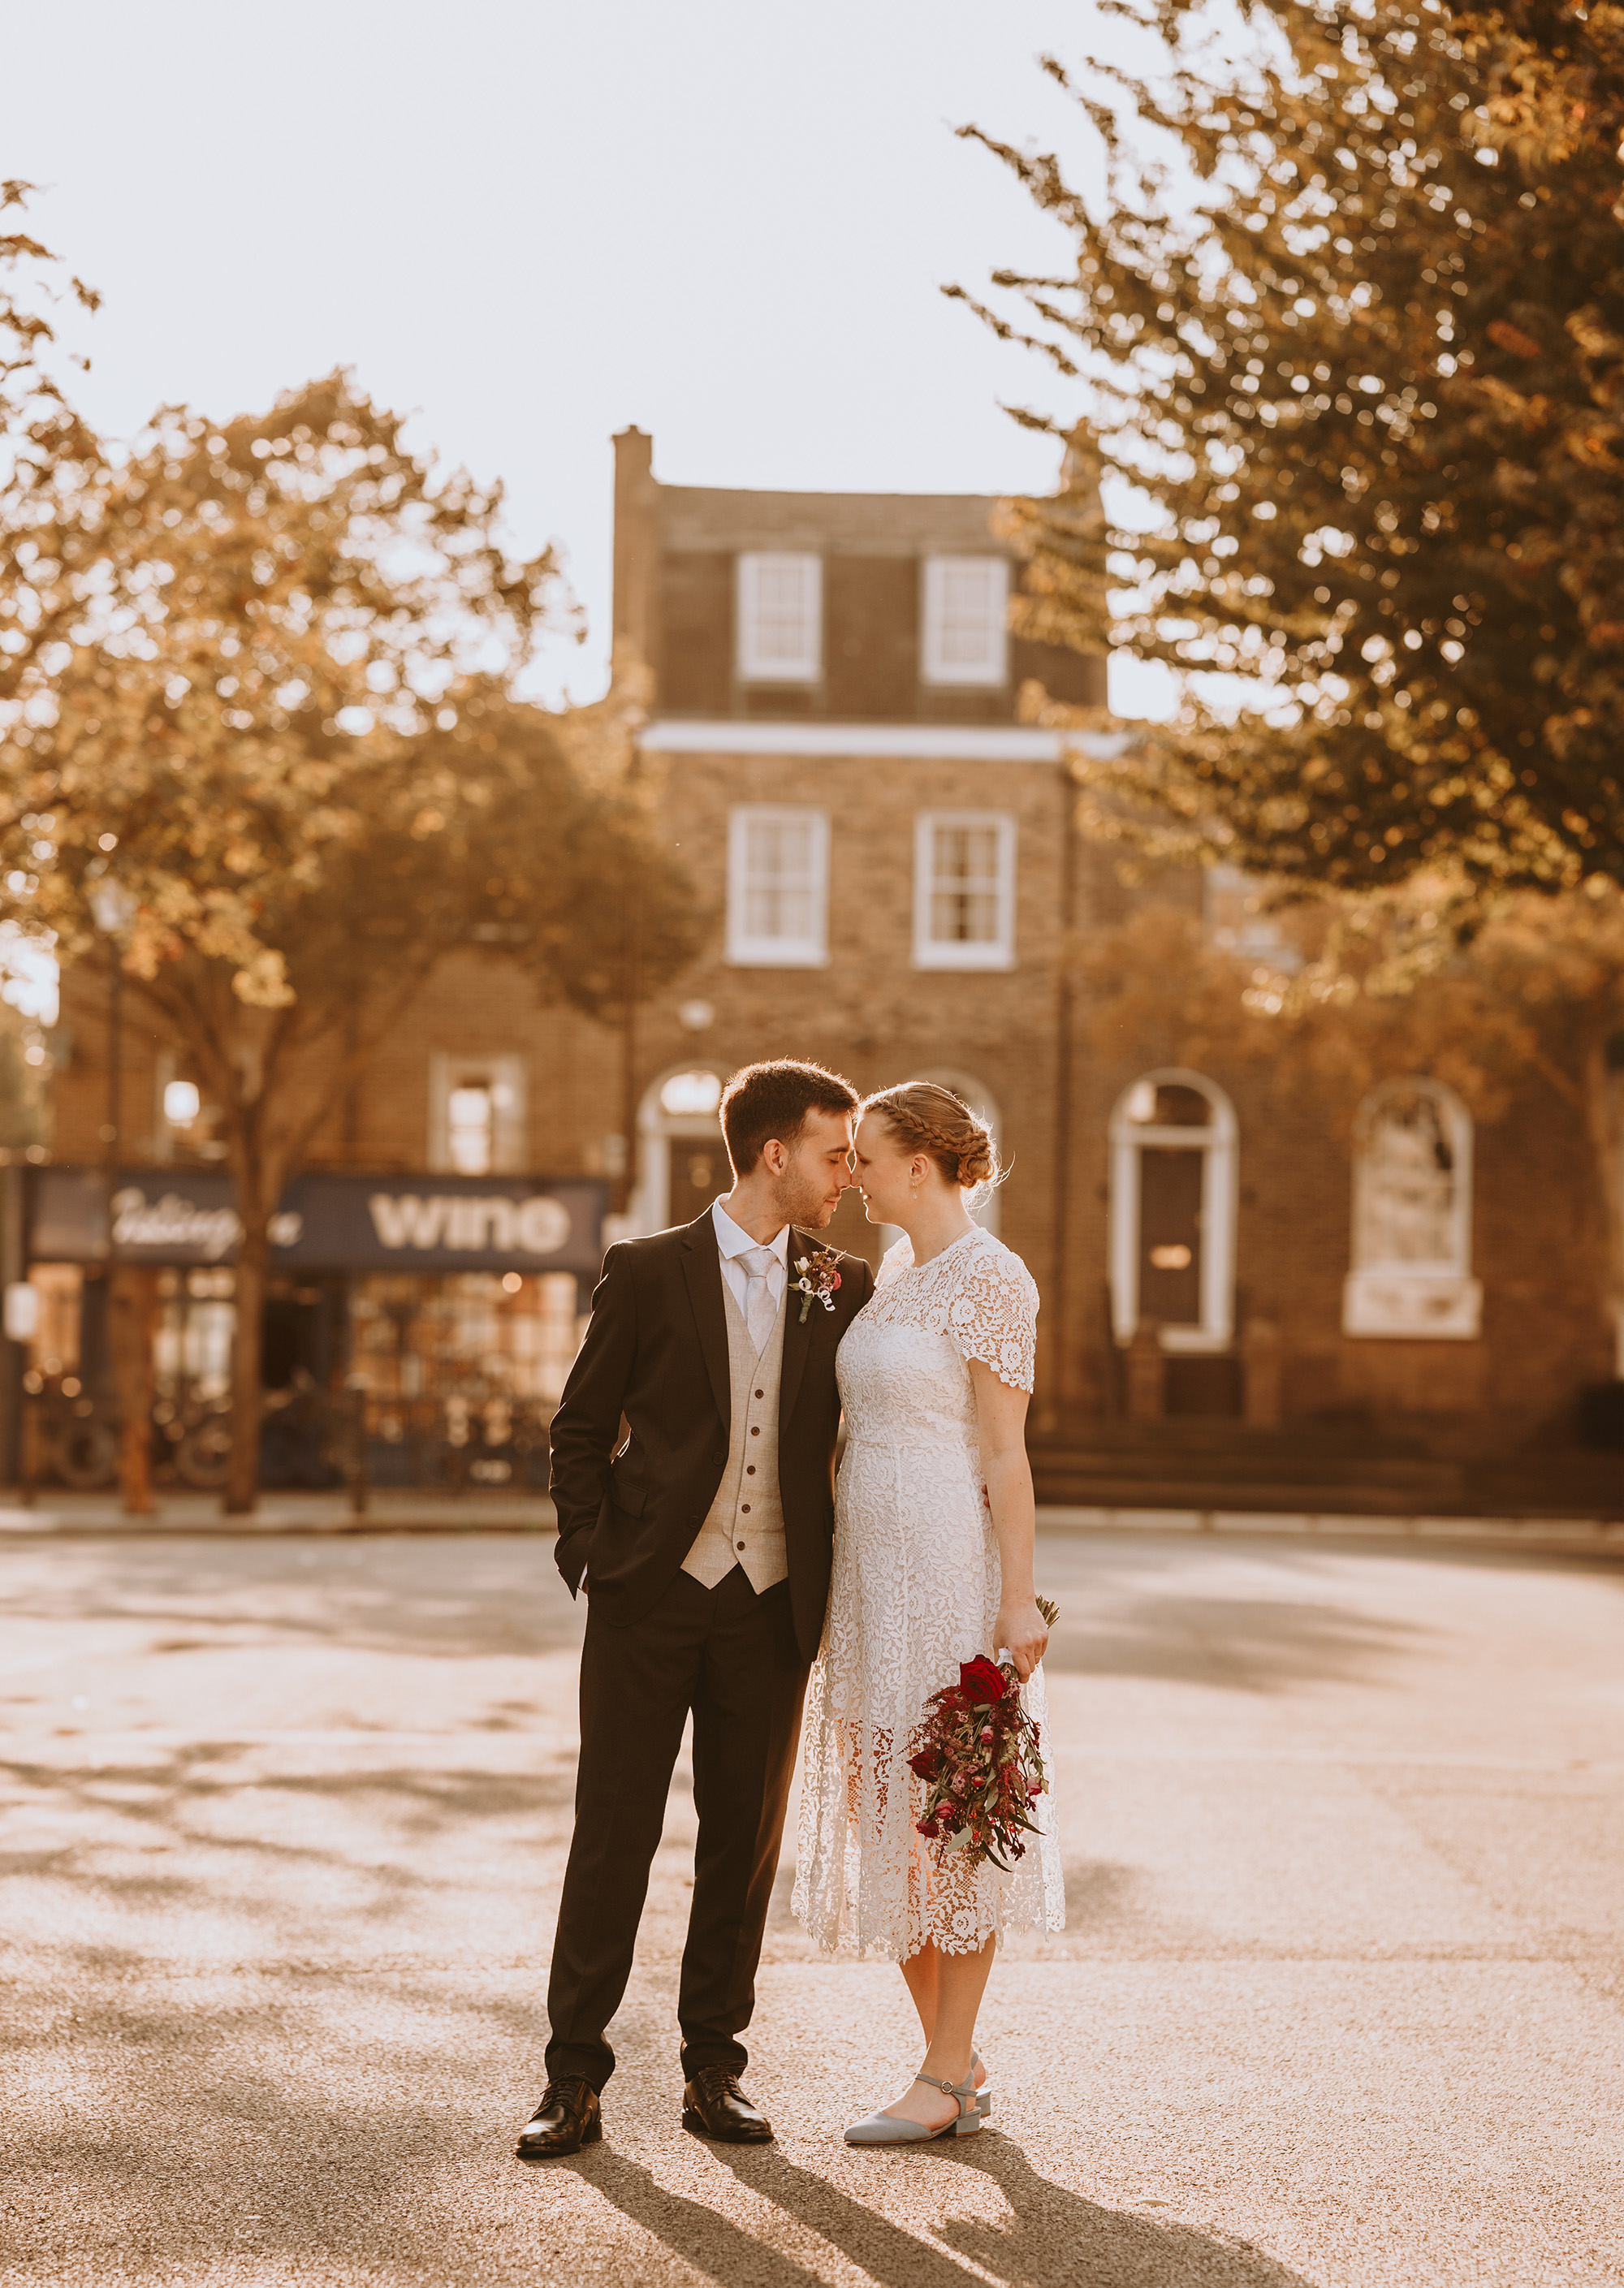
(637,548)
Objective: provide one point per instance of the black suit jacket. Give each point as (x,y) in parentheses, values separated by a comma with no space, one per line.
(657,1353)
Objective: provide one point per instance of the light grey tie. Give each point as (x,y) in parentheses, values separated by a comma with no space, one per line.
(759,1309)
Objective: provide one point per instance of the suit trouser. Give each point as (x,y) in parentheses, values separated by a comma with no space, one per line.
(730,1657)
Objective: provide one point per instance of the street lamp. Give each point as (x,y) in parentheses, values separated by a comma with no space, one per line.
(113,909)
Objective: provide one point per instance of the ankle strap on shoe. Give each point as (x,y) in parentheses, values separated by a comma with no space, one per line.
(964,2091)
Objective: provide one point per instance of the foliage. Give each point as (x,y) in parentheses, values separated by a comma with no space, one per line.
(34,416)
(1386,989)
(1361,345)
(256,678)
(215,646)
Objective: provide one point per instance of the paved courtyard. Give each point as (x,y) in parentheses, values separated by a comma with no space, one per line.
(1341,2001)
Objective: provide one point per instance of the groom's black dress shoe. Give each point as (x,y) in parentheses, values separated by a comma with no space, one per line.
(566,2119)
(713,2105)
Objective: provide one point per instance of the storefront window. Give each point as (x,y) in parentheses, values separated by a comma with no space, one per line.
(191,1347)
(469,1334)
(447,1376)
(53,1349)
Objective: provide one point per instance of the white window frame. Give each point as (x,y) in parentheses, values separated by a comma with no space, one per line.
(1219,1144)
(510,1108)
(954,953)
(1415,1301)
(745,950)
(989,673)
(754,665)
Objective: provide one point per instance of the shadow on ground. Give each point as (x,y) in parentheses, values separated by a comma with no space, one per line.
(452,1597)
(1236,1644)
(1052,2239)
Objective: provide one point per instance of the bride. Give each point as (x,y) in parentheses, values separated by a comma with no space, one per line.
(933,1564)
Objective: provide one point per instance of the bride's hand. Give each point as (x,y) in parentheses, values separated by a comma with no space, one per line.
(1021,1631)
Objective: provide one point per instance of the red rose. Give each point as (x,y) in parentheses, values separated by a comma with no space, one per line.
(928,1763)
(982,1680)
(835,1283)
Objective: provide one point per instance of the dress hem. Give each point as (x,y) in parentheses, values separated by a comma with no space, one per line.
(886,1946)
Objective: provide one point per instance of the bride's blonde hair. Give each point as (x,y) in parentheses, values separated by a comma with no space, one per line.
(926,1118)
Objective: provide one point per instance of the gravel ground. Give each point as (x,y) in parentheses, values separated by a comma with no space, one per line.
(1339,2001)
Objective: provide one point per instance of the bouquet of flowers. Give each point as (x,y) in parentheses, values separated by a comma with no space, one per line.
(979,1753)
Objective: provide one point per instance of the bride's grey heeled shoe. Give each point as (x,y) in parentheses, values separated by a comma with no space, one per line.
(892,2129)
(983,2095)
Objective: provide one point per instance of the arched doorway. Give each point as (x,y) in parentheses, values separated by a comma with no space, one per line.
(1173,1155)
(681,1161)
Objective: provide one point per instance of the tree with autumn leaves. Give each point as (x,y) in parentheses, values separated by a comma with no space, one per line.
(256,677)
(1349,317)
(35,418)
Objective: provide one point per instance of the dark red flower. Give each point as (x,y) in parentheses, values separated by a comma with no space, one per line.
(982,1680)
(928,1763)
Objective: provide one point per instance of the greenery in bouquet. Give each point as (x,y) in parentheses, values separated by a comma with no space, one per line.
(980,1756)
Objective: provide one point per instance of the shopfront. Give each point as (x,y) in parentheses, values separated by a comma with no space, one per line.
(446,1308)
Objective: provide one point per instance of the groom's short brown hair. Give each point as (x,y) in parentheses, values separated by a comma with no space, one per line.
(764,1100)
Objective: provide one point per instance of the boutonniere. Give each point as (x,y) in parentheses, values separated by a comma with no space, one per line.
(820,1275)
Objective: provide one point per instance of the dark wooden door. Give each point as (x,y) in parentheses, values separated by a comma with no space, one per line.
(1170,1235)
(699,1175)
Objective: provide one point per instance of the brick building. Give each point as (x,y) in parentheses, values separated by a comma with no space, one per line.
(897,866)
(895,870)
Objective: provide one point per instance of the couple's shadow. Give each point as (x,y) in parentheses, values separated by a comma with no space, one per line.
(1052,2239)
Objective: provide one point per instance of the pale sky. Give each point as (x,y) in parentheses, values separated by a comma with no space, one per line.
(529,224)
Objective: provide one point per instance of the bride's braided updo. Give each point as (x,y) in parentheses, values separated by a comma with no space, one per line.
(926,1118)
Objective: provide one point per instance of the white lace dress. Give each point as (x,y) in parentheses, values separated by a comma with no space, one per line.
(915,1591)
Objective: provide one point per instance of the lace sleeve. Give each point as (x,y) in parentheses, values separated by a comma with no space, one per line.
(993,1315)
(897,1259)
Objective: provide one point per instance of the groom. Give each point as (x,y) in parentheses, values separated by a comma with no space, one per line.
(703,1539)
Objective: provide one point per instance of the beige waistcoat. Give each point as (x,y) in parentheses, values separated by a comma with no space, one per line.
(745,1524)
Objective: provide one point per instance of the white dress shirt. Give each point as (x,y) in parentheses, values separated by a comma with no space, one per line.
(733,1242)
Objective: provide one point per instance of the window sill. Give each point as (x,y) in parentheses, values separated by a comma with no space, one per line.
(775,958)
(1405,1303)
(1195,1342)
(963,958)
